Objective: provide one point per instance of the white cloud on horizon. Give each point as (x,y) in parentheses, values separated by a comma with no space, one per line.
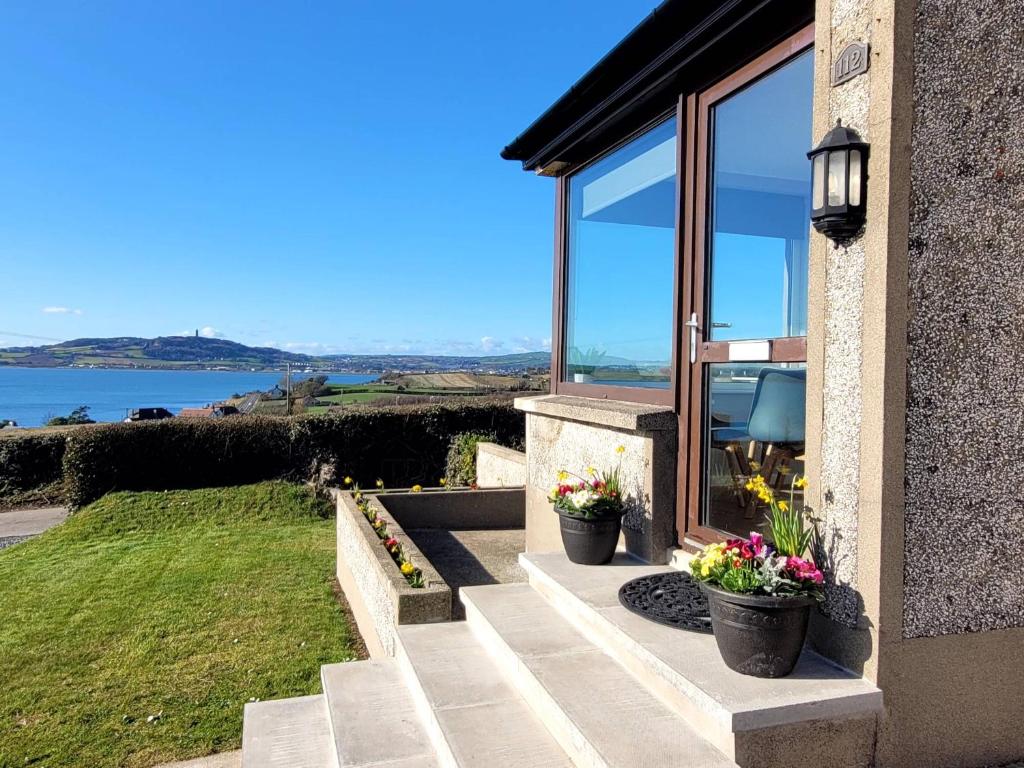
(487,345)
(209,332)
(61,311)
(490,344)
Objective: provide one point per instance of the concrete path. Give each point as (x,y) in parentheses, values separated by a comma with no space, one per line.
(20,524)
(223,760)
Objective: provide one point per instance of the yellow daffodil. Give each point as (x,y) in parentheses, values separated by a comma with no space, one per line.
(407,568)
(801,482)
(620,450)
(562,475)
(591,471)
(348,480)
(443,482)
(359,495)
(416,488)
(783,506)
(380,483)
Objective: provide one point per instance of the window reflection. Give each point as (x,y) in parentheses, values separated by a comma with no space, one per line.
(754,424)
(621,252)
(760,207)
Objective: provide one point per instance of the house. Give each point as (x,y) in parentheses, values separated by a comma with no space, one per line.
(149,414)
(701,322)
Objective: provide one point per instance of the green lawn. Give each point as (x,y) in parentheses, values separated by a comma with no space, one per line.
(181,605)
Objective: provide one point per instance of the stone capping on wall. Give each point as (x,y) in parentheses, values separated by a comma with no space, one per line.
(499,467)
(618,414)
(379,594)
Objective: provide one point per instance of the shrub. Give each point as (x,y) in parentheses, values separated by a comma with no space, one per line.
(78,416)
(175,453)
(401,445)
(460,466)
(30,466)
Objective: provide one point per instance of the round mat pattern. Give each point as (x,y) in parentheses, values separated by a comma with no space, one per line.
(673,599)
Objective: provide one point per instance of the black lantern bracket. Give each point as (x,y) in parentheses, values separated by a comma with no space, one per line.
(839,184)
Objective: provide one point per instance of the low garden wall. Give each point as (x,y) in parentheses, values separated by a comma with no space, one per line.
(402,445)
(499,467)
(381,598)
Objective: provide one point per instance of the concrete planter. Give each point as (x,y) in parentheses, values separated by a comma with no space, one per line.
(758,635)
(380,596)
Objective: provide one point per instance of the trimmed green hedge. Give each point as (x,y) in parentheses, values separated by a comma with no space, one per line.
(401,445)
(30,464)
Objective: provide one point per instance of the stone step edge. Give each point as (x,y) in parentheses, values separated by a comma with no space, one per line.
(435,733)
(569,735)
(388,662)
(267,758)
(673,688)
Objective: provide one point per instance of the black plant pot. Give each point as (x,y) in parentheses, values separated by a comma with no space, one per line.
(590,542)
(756,635)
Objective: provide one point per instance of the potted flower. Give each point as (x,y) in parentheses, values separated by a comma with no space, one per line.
(760,594)
(590,514)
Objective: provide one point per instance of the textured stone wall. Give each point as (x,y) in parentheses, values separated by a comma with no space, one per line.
(844,306)
(964,511)
(573,433)
(499,467)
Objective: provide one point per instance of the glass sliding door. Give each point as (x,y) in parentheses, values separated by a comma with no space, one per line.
(748,313)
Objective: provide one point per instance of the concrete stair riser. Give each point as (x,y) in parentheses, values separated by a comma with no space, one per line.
(372,717)
(293,732)
(442,749)
(595,710)
(473,716)
(756,716)
(693,705)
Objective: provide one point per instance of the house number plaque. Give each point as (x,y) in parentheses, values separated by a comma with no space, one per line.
(852,61)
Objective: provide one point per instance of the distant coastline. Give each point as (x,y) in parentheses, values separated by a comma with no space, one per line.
(198,353)
(31,396)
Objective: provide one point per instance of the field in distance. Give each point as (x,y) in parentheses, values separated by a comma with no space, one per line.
(405,389)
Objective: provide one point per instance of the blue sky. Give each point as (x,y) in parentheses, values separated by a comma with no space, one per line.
(317,176)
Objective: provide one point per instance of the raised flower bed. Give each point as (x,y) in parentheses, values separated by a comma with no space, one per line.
(386,576)
(370,573)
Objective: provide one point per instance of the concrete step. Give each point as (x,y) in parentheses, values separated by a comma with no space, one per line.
(287,732)
(600,714)
(818,703)
(372,718)
(474,717)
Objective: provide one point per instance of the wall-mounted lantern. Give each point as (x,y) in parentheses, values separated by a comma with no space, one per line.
(839,184)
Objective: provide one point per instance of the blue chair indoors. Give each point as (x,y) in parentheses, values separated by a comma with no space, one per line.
(777,422)
(771,436)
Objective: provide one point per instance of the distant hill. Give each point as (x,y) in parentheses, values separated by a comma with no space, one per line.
(198,352)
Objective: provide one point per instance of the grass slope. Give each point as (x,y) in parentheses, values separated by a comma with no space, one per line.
(184,605)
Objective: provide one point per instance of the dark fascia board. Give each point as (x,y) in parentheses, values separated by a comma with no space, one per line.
(641,76)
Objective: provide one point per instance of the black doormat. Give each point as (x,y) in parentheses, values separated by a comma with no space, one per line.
(673,599)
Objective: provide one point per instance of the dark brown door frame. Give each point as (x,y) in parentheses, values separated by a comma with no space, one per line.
(694,234)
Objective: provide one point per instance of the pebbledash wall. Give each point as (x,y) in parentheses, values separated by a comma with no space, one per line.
(915,349)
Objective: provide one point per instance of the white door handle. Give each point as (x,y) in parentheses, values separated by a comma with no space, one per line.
(692,325)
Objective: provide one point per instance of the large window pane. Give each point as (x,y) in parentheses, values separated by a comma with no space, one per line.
(753,425)
(621,252)
(761,183)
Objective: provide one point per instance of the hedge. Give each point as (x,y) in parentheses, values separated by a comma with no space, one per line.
(30,462)
(401,445)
